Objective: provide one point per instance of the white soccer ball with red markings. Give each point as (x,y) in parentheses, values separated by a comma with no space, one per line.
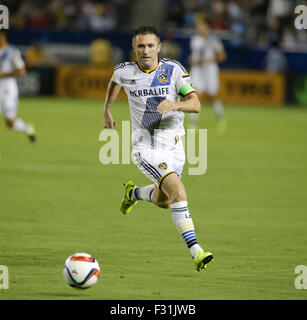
(81,270)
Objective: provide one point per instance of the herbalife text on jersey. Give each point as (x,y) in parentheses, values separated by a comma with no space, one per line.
(116,148)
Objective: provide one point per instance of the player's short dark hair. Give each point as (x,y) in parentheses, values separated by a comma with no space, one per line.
(146,30)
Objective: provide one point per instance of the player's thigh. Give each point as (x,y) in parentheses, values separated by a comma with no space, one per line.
(173,188)
(199,79)
(154,164)
(10,107)
(213,85)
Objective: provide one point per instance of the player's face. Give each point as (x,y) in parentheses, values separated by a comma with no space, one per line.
(146,48)
(203,29)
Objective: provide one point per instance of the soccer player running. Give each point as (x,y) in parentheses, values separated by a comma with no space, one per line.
(11,66)
(206,52)
(154,88)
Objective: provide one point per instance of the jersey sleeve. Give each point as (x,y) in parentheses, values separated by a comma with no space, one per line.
(119,71)
(17,61)
(116,76)
(218,45)
(184,84)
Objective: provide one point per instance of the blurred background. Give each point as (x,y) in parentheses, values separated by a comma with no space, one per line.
(57,198)
(70,47)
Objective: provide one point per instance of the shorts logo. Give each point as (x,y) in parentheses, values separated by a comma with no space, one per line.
(163,78)
(163,166)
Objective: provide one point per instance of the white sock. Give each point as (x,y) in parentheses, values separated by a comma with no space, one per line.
(218,109)
(20,125)
(143,193)
(185,226)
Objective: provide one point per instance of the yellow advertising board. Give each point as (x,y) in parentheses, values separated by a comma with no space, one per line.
(237,87)
(83,81)
(252,87)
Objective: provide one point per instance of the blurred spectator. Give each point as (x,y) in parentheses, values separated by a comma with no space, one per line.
(258,9)
(280,9)
(101,52)
(103,18)
(175,13)
(301,37)
(275,61)
(253,22)
(170,49)
(34,55)
(81,22)
(234,10)
(273,30)
(289,41)
(68,14)
(39,19)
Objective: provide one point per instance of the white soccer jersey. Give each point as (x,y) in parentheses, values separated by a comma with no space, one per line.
(145,90)
(10,60)
(205,48)
(205,76)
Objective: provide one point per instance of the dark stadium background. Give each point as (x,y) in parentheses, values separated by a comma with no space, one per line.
(64,31)
(249,208)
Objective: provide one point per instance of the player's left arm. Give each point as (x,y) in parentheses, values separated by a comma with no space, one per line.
(190,103)
(16,73)
(220,55)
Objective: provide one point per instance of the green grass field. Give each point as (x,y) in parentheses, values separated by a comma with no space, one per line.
(249,209)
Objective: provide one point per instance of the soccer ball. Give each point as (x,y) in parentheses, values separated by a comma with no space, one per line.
(81,270)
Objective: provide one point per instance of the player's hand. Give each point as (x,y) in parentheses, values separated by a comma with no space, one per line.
(21,72)
(109,122)
(206,61)
(194,61)
(16,73)
(166,106)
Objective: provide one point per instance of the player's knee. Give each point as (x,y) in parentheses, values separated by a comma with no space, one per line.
(10,123)
(164,204)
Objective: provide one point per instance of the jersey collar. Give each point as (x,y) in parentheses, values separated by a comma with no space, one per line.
(148,70)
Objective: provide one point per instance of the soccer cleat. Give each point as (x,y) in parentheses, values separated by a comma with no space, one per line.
(201,259)
(31,133)
(127,204)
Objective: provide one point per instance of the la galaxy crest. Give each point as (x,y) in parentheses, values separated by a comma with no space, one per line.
(163,166)
(163,77)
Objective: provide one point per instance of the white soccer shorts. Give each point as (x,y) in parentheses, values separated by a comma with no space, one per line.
(156,164)
(205,80)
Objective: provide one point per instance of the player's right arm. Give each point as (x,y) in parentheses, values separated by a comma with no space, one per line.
(112,93)
(15,73)
(18,64)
